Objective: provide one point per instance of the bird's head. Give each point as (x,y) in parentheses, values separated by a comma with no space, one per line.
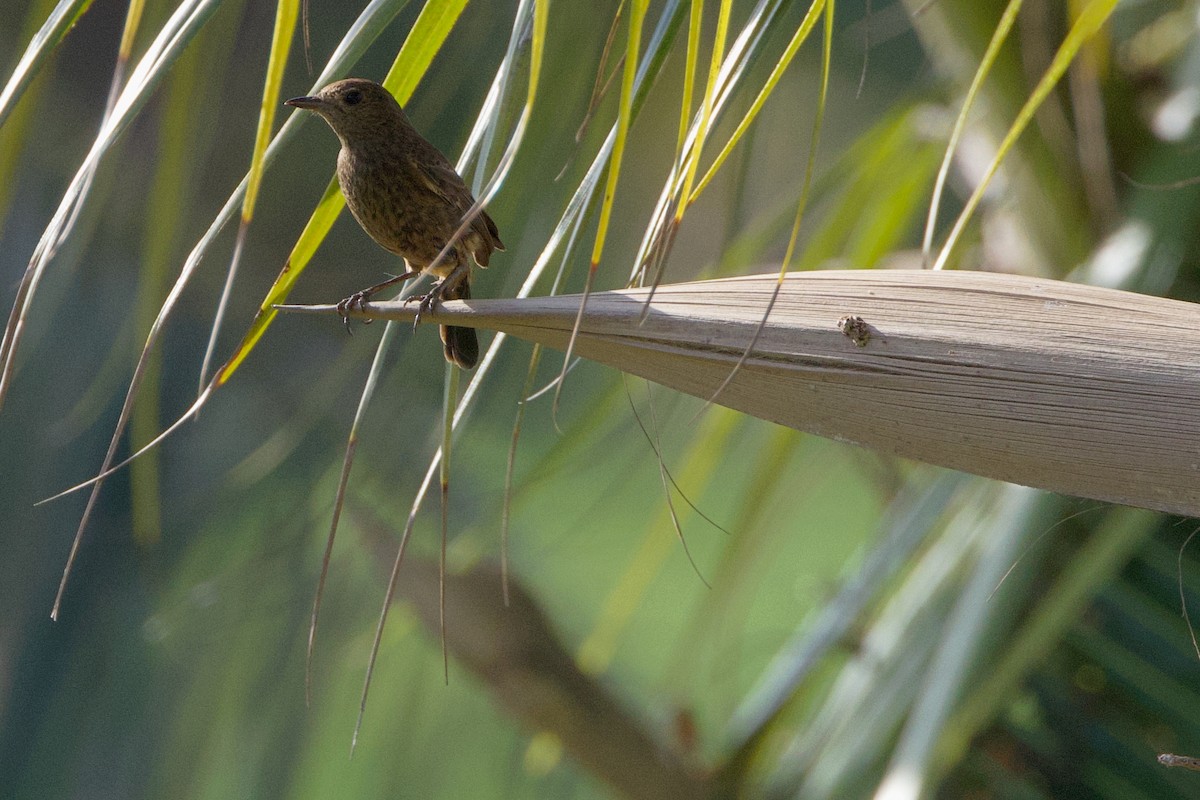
(353,105)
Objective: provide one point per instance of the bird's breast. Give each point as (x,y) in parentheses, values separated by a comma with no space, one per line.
(400,214)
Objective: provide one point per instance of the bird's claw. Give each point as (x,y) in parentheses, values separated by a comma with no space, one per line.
(426,303)
(351,304)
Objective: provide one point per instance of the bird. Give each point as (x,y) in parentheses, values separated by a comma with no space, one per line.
(408,197)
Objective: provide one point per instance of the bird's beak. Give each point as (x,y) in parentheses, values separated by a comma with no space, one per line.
(312,103)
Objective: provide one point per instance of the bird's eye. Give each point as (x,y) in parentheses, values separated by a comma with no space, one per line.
(352,97)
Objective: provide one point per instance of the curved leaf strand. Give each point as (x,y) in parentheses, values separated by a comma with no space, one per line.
(648,69)
(999,36)
(601,86)
(390,331)
(801,35)
(801,205)
(637,18)
(1090,20)
(529,13)
(689,73)
(286,14)
(167,46)
(133,18)
(708,105)
(55,29)
(369,24)
(651,250)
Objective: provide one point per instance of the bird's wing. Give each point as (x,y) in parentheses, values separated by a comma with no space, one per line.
(441,179)
(493,233)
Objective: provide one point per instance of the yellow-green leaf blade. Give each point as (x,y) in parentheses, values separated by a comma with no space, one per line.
(785,60)
(285,28)
(637,16)
(1089,22)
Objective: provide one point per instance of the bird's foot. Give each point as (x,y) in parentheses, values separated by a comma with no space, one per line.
(353,303)
(356,301)
(426,302)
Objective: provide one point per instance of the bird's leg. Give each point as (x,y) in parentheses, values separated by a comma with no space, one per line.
(356,301)
(460,273)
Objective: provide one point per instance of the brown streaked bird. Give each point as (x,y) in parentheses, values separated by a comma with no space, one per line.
(406,195)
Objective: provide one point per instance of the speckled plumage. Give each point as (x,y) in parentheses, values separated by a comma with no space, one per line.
(406,195)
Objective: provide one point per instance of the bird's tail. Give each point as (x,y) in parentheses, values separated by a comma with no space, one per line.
(461,344)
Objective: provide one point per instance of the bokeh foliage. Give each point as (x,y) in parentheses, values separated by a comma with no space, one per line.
(869,623)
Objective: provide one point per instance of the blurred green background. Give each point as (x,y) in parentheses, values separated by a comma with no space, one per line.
(853,637)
